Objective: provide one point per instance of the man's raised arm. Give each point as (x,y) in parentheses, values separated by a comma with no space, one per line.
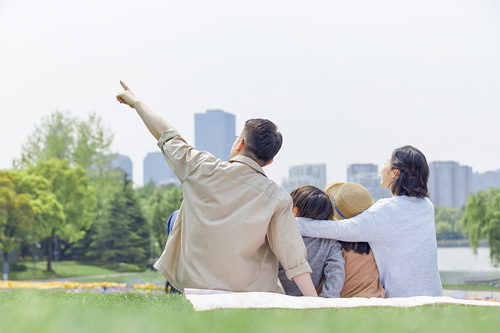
(155,124)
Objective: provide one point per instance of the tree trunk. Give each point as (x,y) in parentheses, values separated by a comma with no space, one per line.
(5,266)
(160,245)
(50,251)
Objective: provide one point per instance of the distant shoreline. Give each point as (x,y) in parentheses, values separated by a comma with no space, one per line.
(458,243)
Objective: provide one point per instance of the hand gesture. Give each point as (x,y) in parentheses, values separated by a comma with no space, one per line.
(127,96)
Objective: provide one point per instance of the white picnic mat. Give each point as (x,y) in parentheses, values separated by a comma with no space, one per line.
(203,300)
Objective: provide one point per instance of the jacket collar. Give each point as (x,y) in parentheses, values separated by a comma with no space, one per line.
(248,161)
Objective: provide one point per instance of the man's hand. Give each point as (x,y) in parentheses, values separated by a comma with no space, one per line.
(155,124)
(127,96)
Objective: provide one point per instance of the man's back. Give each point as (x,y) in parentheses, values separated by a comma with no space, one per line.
(232,224)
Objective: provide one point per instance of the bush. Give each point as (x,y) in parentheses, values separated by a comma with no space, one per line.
(123,267)
(17,267)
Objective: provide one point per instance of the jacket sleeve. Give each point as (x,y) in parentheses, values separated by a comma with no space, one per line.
(334,272)
(183,158)
(286,241)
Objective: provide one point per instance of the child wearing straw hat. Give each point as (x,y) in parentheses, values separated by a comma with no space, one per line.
(324,255)
(361,273)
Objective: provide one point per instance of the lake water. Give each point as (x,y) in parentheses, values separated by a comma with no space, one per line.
(464,259)
(459,265)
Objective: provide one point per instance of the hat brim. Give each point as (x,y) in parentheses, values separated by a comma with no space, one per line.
(332,190)
(355,198)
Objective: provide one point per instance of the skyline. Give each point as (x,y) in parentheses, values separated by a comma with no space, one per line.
(141,182)
(346,82)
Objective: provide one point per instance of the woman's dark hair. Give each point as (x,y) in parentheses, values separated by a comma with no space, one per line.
(413,172)
(263,141)
(359,247)
(312,203)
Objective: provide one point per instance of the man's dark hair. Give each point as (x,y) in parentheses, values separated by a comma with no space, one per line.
(312,203)
(413,172)
(263,141)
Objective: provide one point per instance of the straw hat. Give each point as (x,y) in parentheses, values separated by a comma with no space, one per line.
(348,199)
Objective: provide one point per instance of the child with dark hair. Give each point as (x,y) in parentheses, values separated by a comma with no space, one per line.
(324,255)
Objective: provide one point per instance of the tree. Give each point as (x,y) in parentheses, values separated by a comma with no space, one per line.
(123,235)
(482,219)
(448,224)
(163,202)
(71,188)
(80,141)
(16,215)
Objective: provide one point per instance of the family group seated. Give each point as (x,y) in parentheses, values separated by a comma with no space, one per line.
(236,228)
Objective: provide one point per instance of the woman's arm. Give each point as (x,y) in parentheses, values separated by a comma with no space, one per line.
(362,228)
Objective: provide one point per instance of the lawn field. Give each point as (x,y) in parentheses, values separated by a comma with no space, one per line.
(63,268)
(59,311)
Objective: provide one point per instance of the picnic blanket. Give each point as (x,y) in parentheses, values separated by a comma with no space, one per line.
(204,300)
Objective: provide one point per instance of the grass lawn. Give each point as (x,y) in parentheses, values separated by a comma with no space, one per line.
(58,311)
(471,287)
(63,269)
(144,277)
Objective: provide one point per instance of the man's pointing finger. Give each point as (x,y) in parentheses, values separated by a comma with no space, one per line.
(124,85)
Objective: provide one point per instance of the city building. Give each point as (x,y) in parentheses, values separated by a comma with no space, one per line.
(124,163)
(368,175)
(449,183)
(215,132)
(156,170)
(483,181)
(307,174)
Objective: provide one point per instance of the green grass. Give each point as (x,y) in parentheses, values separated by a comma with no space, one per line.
(63,269)
(80,271)
(145,277)
(45,311)
(471,287)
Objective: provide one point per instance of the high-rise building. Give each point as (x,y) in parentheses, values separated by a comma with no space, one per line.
(368,175)
(124,163)
(308,174)
(483,181)
(156,170)
(214,131)
(449,183)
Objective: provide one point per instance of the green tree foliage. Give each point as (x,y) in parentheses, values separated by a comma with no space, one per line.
(83,142)
(16,214)
(163,202)
(71,187)
(122,235)
(482,219)
(448,225)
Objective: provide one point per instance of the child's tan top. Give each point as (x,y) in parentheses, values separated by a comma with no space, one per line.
(361,276)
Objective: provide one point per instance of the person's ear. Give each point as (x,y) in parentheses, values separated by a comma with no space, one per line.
(295,211)
(240,145)
(395,173)
(271,161)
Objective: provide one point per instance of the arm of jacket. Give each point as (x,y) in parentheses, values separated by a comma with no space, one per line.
(286,241)
(183,158)
(334,272)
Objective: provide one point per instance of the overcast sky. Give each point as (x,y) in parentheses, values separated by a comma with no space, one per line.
(345,81)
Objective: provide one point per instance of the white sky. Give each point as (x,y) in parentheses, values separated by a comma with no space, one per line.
(345,81)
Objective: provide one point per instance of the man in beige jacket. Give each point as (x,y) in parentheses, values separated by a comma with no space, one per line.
(235,225)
